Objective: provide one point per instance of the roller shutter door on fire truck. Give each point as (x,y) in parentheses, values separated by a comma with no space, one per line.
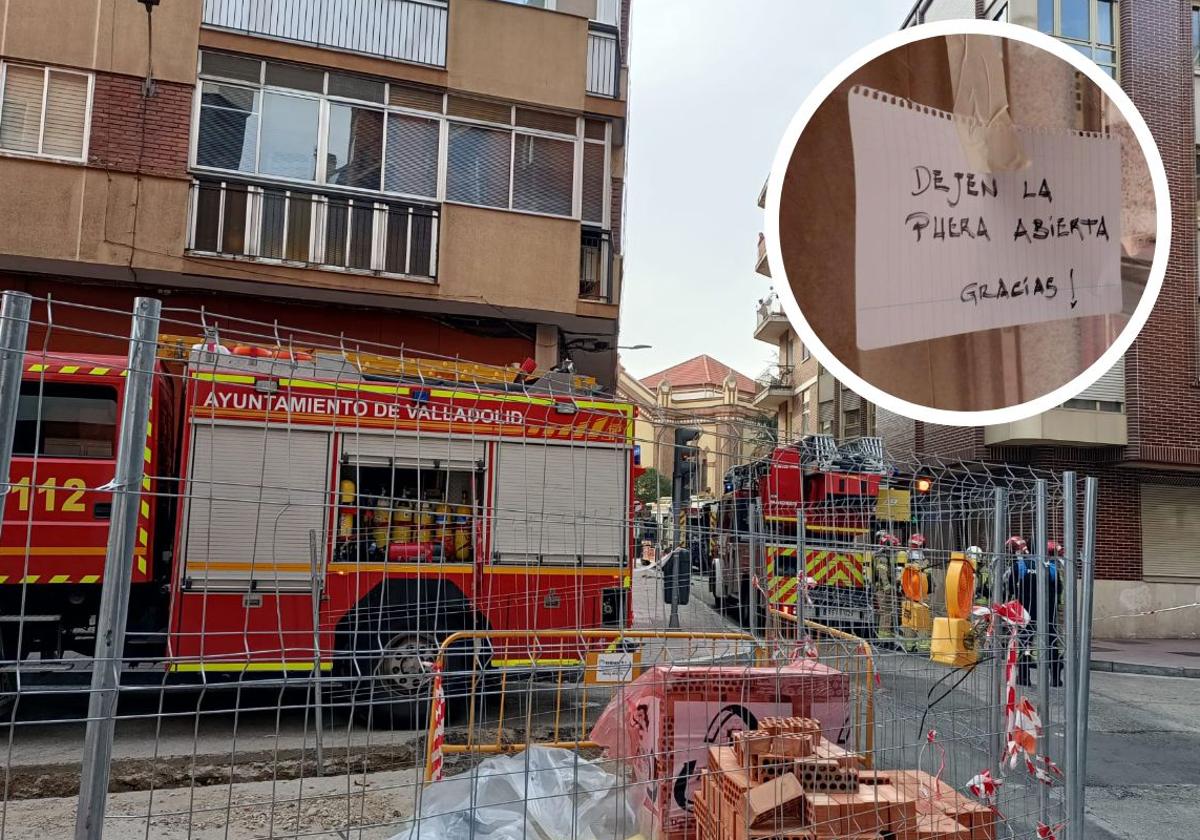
(560,502)
(412,450)
(254,496)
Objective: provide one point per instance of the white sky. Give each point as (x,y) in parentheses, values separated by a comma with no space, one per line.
(713,84)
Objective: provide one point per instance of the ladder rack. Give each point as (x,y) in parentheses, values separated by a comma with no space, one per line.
(351,365)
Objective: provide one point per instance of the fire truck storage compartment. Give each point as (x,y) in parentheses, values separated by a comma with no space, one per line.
(560,503)
(439,469)
(253,496)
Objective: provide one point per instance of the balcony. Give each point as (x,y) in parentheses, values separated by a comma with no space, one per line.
(1094,418)
(312,229)
(603,63)
(760,264)
(771,323)
(402,30)
(774,387)
(595,265)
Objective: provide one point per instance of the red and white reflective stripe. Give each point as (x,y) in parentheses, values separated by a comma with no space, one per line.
(437,734)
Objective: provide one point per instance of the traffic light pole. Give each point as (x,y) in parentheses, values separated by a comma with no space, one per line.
(673,575)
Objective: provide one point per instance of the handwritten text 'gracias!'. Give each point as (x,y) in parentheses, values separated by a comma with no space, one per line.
(934,228)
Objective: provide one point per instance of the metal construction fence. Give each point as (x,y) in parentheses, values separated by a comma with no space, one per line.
(260,581)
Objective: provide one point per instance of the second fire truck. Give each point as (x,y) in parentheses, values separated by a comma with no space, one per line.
(838,495)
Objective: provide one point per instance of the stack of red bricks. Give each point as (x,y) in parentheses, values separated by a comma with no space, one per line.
(785,782)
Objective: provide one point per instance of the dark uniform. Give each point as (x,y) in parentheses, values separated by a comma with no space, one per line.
(1021,583)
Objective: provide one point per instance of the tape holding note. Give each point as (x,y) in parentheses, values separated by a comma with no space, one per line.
(943,250)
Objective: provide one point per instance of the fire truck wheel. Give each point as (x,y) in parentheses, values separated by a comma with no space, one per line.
(396,694)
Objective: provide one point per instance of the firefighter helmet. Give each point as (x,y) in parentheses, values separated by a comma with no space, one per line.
(886,539)
(916,541)
(1016,545)
(1054,549)
(975,554)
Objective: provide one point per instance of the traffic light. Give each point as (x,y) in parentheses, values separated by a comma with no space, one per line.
(687,458)
(923,484)
(677,567)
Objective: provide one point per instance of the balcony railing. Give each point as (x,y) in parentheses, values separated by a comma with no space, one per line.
(603,62)
(404,30)
(776,377)
(305,228)
(595,265)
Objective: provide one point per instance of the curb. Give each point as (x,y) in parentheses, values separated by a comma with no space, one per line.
(1146,670)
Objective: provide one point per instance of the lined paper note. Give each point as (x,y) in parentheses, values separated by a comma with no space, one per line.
(941,250)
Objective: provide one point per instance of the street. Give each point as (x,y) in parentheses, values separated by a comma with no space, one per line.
(251,768)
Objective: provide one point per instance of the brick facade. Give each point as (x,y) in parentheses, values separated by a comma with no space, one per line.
(1161,368)
(134,133)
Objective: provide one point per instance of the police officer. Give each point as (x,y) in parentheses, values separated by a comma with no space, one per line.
(1054,583)
(1020,583)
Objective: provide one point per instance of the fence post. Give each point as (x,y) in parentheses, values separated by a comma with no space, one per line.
(756,547)
(14,330)
(1070,651)
(999,521)
(318,591)
(1086,579)
(118,571)
(801,574)
(1043,629)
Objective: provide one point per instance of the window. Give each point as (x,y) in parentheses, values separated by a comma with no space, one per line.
(478,166)
(1112,406)
(298,124)
(543,175)
(804,354)
(411,162)
(805,410)
(65,420)
(44,111)
(1089,26)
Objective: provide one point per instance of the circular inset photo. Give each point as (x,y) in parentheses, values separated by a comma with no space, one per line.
(969,222)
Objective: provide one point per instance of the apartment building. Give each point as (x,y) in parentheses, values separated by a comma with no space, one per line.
(797,390)
(446,175)
(1138,429)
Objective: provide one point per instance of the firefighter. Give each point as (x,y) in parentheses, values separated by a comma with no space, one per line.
(916,557)
(983,575)
(885,581)
(1020,583)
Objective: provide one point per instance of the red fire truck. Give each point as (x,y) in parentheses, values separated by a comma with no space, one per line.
(283,486)
(835,491)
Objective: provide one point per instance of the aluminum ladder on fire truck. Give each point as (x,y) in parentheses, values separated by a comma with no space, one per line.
(354,366)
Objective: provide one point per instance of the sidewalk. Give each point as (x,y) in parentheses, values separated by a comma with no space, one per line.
(1157,657)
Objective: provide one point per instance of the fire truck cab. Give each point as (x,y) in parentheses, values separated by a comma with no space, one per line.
(832,492)
(299,513)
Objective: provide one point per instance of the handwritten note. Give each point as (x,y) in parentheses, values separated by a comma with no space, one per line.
(941,250)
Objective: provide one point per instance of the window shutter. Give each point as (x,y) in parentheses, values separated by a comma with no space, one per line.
(593,183)
(21,117)
(477,172)
(543,175)
(66,115)
(1170,529)
(412,156)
